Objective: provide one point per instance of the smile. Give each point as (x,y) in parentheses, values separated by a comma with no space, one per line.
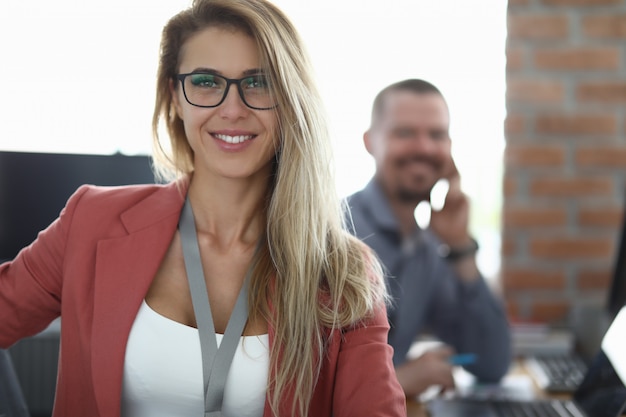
(233,139)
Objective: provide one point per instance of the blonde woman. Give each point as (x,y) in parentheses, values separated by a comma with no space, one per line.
(147,279)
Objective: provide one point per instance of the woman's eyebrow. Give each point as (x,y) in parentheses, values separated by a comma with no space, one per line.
(205,70)
(253,71)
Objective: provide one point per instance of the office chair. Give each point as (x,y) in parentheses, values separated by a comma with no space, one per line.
(12,402)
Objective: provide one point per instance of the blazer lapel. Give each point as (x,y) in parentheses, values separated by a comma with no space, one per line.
(125,267)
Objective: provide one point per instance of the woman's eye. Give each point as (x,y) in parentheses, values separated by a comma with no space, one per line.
(203,80)
(255,82)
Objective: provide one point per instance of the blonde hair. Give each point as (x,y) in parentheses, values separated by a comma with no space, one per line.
(311,276)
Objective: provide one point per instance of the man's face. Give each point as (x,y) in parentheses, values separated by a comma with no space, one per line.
(410,143)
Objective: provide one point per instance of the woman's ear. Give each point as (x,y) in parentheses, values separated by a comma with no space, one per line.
(175,98)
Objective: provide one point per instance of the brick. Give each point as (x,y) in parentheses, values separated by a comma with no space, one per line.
(571,187)
(581,2)
(532,216)
(578,58)
(565,248)
(514,58)
(524,279)
(514,123)
(601,157)
(605,26)
(509,186)
(537,27)
(533,91)
(550,311)
(602,92)
(576,124)
(601,217)
(508,247)
(526,155)
(594,279)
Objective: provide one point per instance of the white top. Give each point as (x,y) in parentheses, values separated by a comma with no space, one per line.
(163,371)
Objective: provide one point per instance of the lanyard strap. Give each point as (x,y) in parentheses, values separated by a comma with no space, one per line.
(215,361)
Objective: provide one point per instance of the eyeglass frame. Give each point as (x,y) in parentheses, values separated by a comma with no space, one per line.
(229,82)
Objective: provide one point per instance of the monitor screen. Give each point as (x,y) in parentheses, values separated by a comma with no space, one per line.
(34,187)
(617,290)
(602,392)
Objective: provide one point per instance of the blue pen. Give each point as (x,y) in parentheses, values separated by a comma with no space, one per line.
(462,359)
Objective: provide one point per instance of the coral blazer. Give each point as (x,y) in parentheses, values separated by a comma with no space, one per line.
(93,267)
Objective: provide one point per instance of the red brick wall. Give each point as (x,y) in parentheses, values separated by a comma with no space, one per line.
(565,157)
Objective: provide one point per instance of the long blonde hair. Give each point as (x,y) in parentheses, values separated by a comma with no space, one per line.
(312,276)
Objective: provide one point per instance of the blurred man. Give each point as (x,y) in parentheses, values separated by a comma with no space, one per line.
(432,273)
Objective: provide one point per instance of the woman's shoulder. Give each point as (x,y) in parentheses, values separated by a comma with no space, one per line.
(101,201)
(117,192)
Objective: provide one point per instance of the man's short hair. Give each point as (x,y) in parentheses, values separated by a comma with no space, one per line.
(413,85)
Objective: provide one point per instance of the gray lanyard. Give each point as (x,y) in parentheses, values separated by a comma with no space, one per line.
(215,362)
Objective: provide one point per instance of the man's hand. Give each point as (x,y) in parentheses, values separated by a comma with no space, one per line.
(451,222)
(431,368)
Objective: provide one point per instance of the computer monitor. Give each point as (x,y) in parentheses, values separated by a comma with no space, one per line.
(617,289)
(34,187)
(12,402)
(602,392)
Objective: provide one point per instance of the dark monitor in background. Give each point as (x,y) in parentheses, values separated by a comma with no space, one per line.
(617,289)
(12,402)
(591,322)
(34,187)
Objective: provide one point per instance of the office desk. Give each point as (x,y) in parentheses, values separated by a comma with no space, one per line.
(417,409)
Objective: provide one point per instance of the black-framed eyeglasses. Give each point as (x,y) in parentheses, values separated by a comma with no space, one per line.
(205,89)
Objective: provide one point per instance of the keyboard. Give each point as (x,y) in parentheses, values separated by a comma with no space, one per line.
(557,373)
(546,408)
(461,407)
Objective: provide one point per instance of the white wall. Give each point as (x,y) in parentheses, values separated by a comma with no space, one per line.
(78,76)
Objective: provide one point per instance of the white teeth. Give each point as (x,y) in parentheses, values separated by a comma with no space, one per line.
(233,139)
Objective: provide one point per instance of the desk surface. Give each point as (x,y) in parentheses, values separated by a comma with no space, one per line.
(417,409)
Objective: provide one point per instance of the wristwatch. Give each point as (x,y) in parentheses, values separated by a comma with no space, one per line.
(455,254)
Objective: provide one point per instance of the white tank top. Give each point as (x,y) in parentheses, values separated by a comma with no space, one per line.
(163,371)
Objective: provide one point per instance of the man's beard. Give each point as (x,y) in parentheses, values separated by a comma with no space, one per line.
(408,194)
(411,196)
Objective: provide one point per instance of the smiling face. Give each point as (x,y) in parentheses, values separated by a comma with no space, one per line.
(410,143)
(230,140)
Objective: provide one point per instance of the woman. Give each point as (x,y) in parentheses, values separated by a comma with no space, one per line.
(251,210)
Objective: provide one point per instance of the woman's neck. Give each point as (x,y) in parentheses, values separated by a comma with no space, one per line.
(229,211)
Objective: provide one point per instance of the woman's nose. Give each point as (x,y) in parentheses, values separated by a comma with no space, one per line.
(233,105)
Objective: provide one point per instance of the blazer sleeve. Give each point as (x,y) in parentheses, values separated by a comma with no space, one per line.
(366,383)
(31,284)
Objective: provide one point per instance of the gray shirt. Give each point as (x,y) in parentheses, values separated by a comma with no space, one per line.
(427,295)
